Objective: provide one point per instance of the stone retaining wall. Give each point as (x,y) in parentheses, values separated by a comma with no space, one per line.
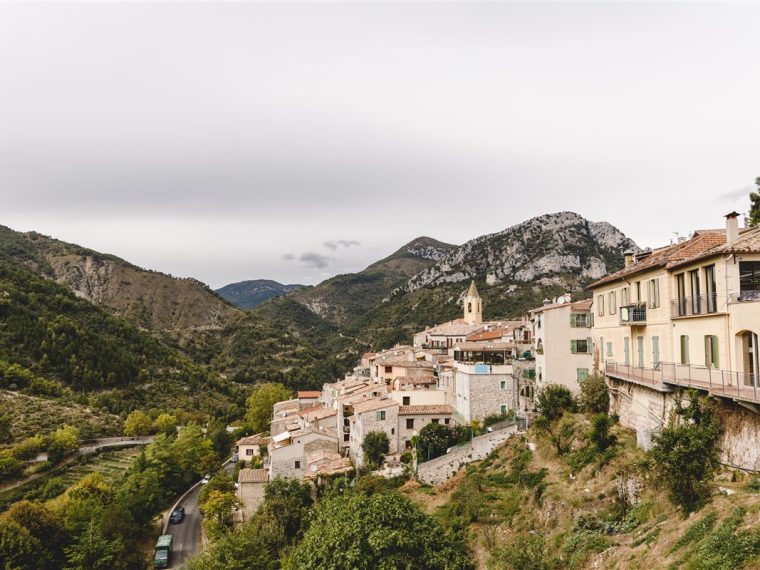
(441,468)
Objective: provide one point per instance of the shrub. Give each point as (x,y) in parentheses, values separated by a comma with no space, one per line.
(684,453)
(594,397)
(553,401)
(524,552)
(375,446)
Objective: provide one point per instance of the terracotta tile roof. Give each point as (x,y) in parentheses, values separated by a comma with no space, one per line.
(670,255)
(253,476)
(422,380)
(747,242)
(376,404)
(425,409)
(309,394)
(487,335)
(257,439)
(584,305)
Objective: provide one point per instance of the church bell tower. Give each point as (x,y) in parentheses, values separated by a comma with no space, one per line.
(473,306)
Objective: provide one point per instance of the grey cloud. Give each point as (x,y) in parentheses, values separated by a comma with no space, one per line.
(312,259)
(288,257)
(335,244)
(734,195)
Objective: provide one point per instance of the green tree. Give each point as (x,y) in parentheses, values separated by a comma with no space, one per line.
(10,467)
(754,209)
(685,453)
(559,431)
(382,531)
(42,525)
(434,440)
(93,551)
(256,546)
(137,424)
(375,446)
(165,423)
(217,512)
(288,500)
(19,550)
(61,442)
(594,397)
(260,402)
(553,401)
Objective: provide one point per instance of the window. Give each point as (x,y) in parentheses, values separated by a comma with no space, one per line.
(653,293)
(435,420)
(655,352)
(298,464)
(749,278)
(694,280)
(684,349)
(389,369)
(346,436)
(638,291)
(380,415)
(681,293)
(640,347)
(503,385)
(393,431)
(612,302)
(609,348)
(627,349)
(625,296)
(406,400)
(407,444)
(601,348)
(409,423)
(600,301)
(249,452)
(446,421)
(580,346)
(503,409)
(581,374)
(584,320)
(711,351)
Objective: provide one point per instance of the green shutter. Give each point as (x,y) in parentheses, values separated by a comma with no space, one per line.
(655,351)
(589,345)
(601,348)
(573,346)
(573,320)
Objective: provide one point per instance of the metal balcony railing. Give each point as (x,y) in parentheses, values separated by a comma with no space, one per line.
(634,314)
(725,383)
(699,305)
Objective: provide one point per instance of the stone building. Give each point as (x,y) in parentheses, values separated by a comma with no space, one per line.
(563,342)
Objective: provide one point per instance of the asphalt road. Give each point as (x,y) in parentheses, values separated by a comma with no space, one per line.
(187,534)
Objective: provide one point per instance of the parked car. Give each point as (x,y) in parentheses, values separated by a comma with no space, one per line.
(177,515)
(234,458)
(206,479)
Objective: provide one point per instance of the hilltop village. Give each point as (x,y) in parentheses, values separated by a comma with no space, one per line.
(682,315)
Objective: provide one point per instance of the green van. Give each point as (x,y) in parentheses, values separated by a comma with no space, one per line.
(163,555)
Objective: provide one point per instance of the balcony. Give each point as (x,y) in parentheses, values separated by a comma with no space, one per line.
(634,315)
(667,375)
(692,306)
(529,373)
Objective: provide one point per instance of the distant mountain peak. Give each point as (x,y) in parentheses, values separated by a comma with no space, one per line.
(248,294)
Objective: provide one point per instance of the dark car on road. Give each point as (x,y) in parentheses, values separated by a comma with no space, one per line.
(178,515)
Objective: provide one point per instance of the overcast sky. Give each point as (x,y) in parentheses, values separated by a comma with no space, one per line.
(297,141)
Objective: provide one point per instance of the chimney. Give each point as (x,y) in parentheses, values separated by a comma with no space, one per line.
(732,228)
(628,257)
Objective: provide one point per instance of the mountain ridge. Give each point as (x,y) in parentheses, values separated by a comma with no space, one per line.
(251,292)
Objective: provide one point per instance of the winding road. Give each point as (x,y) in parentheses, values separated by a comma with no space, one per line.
(187,534)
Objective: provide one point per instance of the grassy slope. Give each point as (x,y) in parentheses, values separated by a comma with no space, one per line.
(647,537)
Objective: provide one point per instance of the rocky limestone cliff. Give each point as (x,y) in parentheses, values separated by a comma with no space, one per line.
(151,300)
(543,249)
